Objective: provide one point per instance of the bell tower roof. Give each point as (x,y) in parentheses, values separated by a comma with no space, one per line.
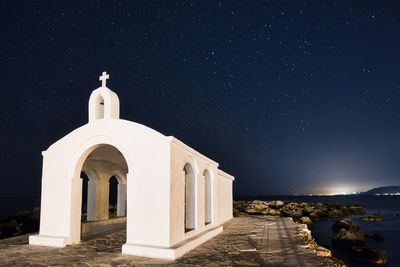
(103,103)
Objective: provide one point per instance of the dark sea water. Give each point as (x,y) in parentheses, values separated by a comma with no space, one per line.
(10,206)
(389,227)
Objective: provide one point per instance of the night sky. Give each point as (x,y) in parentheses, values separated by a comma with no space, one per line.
(289,97)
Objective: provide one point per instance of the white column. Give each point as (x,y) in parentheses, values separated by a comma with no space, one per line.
(121,200)
(188,222)
(91,200)
(76,207)
(190,197)
(102,199)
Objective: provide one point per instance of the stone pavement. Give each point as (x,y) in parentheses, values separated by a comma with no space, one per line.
(245,241)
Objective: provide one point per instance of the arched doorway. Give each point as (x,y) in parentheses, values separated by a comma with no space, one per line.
(106,191)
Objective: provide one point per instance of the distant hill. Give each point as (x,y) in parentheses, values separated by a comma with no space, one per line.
(383,190)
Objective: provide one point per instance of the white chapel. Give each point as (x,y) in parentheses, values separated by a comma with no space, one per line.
(170,197)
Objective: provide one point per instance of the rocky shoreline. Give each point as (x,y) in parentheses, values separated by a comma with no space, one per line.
(23,222)
(302,212)
(347,235)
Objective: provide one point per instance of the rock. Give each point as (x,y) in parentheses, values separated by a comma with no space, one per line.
(20,223)
(9,228)
(315,216)
(347,233)
(236,212)
(337,262)
(255,207)
(306,220)
(253,211)
(292,210)
(370,218)
(315,211)
(355,207)
(308,210)
(271,212)
(335,213)
(321,251)
(304,233)
(374,217)
(276,204)
(303,204)
(323,213)
(369,255)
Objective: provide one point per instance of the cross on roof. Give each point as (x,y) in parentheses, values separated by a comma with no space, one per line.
(103,78)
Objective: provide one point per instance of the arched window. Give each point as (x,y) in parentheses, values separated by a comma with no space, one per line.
(99,107)
(207,197)
(190,198)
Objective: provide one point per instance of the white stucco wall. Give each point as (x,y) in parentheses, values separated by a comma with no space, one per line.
(220,184)
(224,195)
(147,154)
(152,172)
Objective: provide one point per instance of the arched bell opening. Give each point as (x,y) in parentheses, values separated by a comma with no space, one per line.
(99,113)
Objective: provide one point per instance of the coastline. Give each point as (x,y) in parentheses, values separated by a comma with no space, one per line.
(306,235)
(323,230)
(276,209)
(346,239)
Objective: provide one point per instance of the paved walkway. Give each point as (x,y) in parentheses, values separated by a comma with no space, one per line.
(246,241)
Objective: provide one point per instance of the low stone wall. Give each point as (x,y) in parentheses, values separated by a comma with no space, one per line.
(89,228)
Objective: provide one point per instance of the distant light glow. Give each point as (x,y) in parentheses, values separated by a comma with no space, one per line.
(336,189)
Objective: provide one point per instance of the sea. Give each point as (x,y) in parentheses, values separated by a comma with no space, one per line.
(389,227)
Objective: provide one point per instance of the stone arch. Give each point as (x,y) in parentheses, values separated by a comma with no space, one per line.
(121,177)
(87,147)
(76,164)
(208,196)
(189,159)
(190,198)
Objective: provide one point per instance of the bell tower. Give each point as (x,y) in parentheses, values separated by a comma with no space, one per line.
(103,103)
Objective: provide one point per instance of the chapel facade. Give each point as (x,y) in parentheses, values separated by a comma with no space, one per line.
(170,197)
